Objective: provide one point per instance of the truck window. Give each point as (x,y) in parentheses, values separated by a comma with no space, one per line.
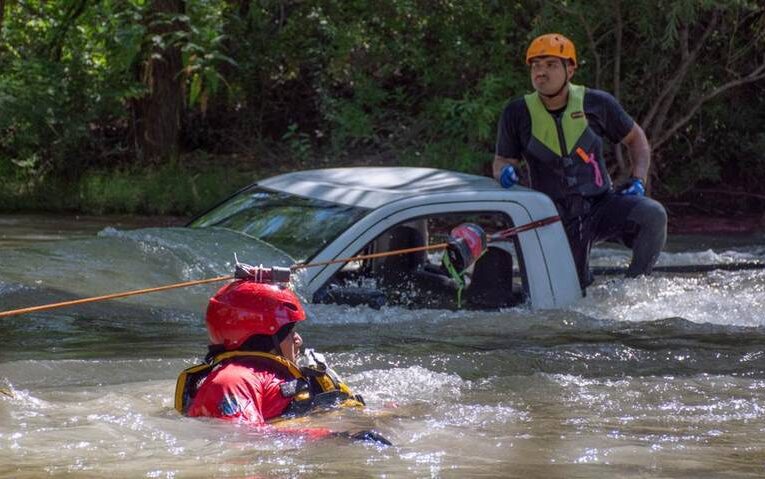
(419,279)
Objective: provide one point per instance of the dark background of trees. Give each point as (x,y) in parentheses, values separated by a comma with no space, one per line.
(280,84)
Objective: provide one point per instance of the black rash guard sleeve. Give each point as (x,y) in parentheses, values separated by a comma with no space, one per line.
(514,122)
(606,116)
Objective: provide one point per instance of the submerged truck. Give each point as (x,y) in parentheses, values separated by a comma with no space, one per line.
(319,216)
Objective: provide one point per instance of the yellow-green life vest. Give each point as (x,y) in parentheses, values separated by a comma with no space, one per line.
(564,155)
(310,388)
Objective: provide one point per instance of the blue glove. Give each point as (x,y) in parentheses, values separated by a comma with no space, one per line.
(634,187)
(365,436)
(508,177)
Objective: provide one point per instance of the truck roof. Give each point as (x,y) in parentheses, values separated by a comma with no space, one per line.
(373,187)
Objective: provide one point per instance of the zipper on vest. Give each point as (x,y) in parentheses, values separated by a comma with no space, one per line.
(561,136)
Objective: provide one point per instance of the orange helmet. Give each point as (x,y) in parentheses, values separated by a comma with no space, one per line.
(553,45)
(244,308)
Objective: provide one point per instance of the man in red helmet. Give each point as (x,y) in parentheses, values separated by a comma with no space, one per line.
(251,374)
(558,130)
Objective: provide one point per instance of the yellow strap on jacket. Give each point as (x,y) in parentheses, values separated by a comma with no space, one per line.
(309,388)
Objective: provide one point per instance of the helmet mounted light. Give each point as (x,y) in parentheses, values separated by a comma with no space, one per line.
(261,274)
(258,302)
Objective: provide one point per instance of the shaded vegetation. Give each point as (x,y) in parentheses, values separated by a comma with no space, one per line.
(107,105)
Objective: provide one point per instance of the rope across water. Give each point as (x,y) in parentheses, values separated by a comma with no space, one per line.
(499,236)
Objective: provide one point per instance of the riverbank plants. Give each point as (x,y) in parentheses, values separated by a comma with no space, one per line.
(96,95)
(163,190)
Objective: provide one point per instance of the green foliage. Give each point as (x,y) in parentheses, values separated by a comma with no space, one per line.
(203,45)
(420,81)
(472,118)
(166,190)
(449,155)
(58,89)
(298,142)
(41,122)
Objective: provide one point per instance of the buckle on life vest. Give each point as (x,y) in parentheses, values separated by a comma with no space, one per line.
(291,389)
(302,405)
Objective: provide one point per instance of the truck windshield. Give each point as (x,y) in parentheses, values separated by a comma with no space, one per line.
(299,226)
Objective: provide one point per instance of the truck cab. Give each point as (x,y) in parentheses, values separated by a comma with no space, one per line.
(326,215)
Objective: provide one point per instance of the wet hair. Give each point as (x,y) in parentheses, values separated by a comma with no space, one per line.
(257,342)
(267,343)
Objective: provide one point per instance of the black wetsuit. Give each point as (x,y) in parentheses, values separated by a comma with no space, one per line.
(635,221)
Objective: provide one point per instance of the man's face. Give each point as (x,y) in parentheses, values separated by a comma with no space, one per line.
(549,74)
(290,346)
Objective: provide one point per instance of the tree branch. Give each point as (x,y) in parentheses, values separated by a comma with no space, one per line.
(756,75)
(667,96)
(753,41)
(589,29)
(593,48)
(57,43)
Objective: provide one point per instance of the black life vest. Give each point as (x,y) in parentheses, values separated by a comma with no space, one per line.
(565,156)
(311,388)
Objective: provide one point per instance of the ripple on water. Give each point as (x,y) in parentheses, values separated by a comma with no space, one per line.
(411,384)
(719,297)
(617,385)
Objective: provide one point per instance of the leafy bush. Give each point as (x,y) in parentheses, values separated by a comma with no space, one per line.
(418,81)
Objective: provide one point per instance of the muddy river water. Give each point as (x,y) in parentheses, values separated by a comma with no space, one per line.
(649,377)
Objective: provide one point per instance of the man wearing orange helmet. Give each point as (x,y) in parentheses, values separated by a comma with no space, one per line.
(558,130)
(251,374)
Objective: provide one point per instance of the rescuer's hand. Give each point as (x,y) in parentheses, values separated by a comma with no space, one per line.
(508,177)
(634,187)
(371,436)
(365,436)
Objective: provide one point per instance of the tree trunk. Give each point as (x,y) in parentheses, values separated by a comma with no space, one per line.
(158,113)
(2,16)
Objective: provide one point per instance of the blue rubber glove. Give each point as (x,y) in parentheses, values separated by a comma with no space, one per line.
(508,177)
(635,187)
(365,436)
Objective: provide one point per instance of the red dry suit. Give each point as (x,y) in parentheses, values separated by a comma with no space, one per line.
(240,392)
(254,387)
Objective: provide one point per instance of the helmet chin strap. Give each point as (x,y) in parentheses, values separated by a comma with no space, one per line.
(557,92)
(277,345)
(280,336)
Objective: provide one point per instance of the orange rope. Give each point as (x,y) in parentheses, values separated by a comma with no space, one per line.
(372,256)
(125,294)
(504,234)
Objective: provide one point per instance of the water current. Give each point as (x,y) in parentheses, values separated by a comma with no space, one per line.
(650,377)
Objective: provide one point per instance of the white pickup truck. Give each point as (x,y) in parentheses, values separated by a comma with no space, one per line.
(320,215)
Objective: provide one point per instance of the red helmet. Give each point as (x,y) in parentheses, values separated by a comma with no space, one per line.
(243,308)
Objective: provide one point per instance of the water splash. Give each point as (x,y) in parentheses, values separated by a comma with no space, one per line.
(719,297)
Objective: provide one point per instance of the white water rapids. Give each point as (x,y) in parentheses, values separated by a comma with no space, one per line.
(650,377)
